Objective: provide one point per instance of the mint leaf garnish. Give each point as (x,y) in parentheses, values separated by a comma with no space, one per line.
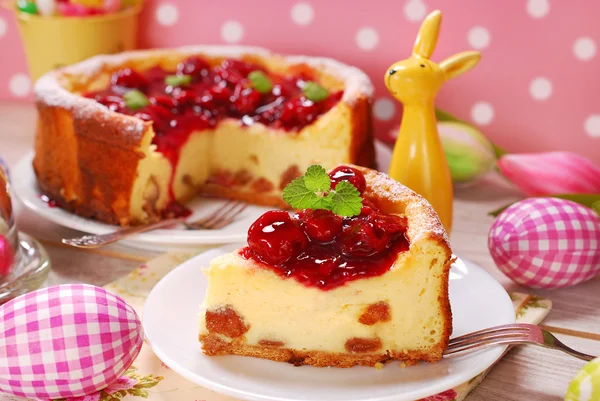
(260,81)
(312,191)
(314,91)
(298,196)
(346,200)
(135,100)
(317,179)
(178,80)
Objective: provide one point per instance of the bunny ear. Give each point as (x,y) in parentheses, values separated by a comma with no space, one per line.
(459,63)
(428,35)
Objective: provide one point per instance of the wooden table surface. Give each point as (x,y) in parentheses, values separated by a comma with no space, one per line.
(525,373)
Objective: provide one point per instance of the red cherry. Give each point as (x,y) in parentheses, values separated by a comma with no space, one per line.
(184,96)
(246,101)
(359,239)
(194,66)
(243,68)
(162,101)
(7,256)
(129,79)
(389,223)
(298,112)
(275,238)
(347,173)
(231,77)
(220,93)
(113,102)
(154,112)
(322,225)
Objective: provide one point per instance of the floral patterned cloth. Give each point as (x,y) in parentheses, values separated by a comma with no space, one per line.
(150,378)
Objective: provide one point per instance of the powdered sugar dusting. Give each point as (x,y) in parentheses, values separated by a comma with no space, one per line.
(49,90)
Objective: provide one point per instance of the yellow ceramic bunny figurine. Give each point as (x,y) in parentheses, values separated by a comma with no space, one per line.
(419,161)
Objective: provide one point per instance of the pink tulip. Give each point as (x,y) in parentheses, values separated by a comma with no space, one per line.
(551,173)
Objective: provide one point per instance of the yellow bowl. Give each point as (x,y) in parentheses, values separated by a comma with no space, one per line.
(52,42)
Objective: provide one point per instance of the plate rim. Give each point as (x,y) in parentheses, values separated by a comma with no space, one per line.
(162,237)
(244,395)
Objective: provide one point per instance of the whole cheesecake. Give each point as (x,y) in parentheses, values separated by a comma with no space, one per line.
(319,289)
(128,138)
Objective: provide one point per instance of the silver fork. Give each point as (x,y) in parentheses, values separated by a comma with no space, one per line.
(518,333)
(220,218)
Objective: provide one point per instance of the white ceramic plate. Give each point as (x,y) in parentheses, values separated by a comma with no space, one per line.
(171,324)
(25,187)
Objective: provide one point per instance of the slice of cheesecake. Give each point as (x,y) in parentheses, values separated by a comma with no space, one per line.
(319,289)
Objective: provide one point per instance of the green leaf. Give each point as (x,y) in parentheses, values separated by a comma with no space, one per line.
(260,81)
(178,80)
(314,91)
(345,200)
(442,115)
(135,99)
(298,196)
(589,200)
(317,179)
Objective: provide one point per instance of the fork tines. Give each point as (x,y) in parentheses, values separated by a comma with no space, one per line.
(498,335)
(219,218)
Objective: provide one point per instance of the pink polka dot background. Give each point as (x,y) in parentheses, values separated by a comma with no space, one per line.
(537,87)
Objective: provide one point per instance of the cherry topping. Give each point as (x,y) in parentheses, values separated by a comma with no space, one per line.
(194,66)
(333,251)
(275,238)
(389,224)
(347,173)
(220,93)
(241,67)
(129,78)
(360,239)
(298,112)
(184,96)
(322,225)
(113,102)
(246,101)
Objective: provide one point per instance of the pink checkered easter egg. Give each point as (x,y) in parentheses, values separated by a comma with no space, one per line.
(546,243)
(66,341)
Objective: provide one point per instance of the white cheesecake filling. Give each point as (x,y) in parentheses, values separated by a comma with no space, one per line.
(258,150)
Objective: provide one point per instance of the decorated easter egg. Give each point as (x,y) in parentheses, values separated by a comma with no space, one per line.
(66,341)
(585,386)
(546,242)
(112,6)
(46,7)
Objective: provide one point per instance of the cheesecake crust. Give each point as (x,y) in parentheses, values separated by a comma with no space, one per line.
(213,345)
(86,156)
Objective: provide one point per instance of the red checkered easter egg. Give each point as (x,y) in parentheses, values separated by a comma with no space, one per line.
(546,243)
(66,341)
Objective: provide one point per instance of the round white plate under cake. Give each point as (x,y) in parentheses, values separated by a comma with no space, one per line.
(171,326)
(25,187)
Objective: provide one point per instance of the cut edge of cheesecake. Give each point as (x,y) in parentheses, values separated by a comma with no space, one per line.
(88,158)
(229,329)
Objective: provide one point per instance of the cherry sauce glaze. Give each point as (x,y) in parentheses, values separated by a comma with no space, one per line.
(323,250)
(214,93)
